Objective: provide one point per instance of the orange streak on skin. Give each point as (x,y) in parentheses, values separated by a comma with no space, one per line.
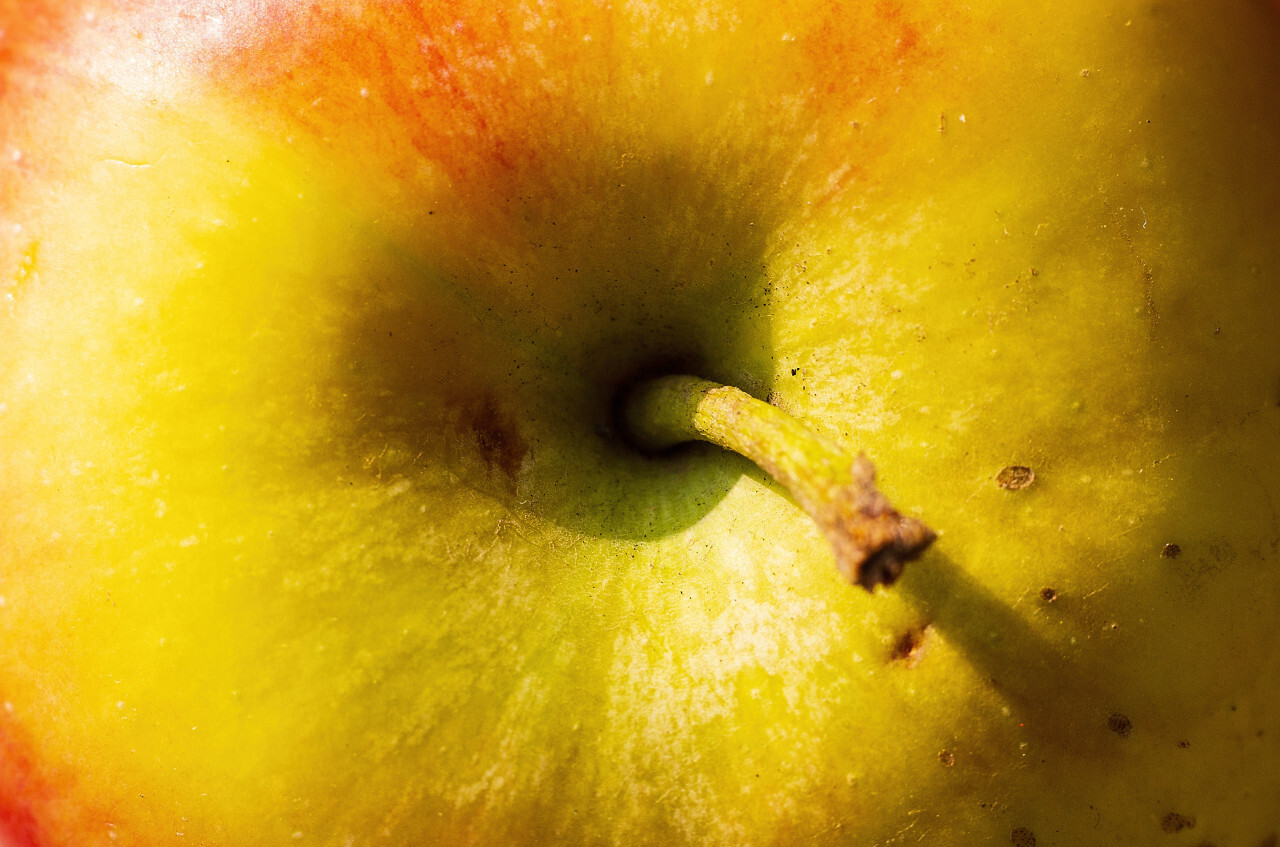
(399,83)
(29,26)
(484,92)
(499,114)
(18,792)
(33,34)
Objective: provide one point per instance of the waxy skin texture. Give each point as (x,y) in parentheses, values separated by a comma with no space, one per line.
(317,528)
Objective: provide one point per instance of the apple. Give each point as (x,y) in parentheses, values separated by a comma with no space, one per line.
(332,338)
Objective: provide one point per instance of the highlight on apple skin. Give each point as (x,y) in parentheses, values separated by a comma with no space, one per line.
(323,521)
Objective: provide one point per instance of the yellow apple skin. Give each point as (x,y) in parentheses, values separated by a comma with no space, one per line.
(312,530)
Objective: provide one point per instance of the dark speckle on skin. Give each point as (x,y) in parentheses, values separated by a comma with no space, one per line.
(1022,837)
(1174,822)
(1120,725)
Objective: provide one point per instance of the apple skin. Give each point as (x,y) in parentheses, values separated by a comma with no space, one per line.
(313,529)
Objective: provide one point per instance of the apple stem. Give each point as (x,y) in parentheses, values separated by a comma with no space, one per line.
(872,541)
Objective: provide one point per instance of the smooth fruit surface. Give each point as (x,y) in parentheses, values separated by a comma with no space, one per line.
(315,526)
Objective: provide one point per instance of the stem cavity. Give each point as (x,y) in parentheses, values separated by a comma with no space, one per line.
(872,541)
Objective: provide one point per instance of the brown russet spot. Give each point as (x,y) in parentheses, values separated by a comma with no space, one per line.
(1048,594)
(947,758)
(1022,837)
(910,646)
(1120,725)
(1174,822)
(1015,477)
(1171,551)
(497,438)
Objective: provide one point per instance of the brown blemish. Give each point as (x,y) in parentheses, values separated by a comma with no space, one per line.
(1022,837)
(1184,745)
(1174,822)
(947,758)
(1171,551)
(1120,725)
(909,648)
(497,438)
(1015,477)
(1048,594)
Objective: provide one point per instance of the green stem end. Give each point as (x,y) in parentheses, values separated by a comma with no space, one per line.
(871,540)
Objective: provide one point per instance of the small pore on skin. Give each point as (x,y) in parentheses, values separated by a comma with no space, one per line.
(1015,477)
